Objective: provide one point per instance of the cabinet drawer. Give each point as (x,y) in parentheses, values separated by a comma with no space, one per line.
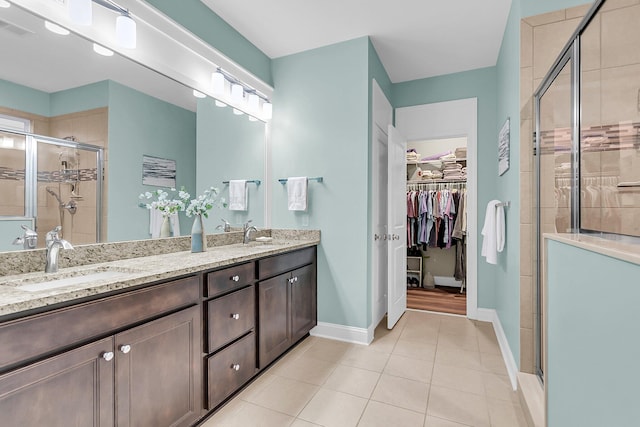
(275,265)
(231,369)
(222,281)
(45,333)
(230,316)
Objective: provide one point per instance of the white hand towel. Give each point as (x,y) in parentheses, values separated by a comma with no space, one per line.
(175,224)
(238,194)
(493,233)
(297,193)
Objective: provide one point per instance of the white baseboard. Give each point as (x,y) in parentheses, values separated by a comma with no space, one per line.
(491,315)
(343,333)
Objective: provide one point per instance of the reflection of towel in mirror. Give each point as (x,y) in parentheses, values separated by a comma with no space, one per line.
(155,223)
(297,193)
(493,235)
(238,195)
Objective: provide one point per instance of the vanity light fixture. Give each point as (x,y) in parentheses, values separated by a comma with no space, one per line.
(101,50)
(4,3)
(199,94)
(217,82)
(57,29)
(267,110)
(220,104)
(237,92)
(126,31)
(81,11)
(238,112)
(254,102)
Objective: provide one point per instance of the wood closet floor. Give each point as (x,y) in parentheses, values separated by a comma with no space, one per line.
(443,299)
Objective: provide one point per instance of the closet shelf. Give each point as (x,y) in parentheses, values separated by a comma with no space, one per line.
(432,162)
(437,181)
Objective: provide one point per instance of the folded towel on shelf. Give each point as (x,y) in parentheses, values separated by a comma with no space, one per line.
(297,193)
(436,156)
(449,156)
(238,195)
(461,152)
(413,156)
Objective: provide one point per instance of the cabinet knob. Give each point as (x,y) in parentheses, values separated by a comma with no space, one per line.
(108,356)
(235,316)
(125,348)
(235,367)
(235,278)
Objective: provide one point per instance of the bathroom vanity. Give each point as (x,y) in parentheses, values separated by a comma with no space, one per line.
(163,344)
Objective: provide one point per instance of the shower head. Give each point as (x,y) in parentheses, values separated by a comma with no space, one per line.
(54,194)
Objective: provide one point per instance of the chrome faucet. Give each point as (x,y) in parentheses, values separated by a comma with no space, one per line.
(247,229)
(226,227)
(29,240)
(54,244)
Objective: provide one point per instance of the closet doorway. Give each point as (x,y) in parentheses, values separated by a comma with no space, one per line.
(436,190)
(454,124)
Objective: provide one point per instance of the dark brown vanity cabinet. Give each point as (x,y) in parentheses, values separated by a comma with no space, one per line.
(286,302)
(144,375)
(230,318)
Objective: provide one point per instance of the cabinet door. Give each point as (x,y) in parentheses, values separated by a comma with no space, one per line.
(303,301)
(72,389)
(273,318)
(159,372)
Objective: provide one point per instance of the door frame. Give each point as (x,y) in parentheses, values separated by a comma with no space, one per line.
(446,120)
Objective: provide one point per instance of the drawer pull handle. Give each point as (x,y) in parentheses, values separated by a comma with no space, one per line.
(235,367)
(108,356)
(235,316)
(235,278)
(125,348)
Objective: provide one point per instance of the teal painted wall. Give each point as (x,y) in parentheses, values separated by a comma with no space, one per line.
(230,147)
(203,22)
(319,128)
(480,84)
(140,124)
(82,98)
(593,350)
(24,98)
(507,186)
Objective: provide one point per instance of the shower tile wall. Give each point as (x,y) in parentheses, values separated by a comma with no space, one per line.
(89,127)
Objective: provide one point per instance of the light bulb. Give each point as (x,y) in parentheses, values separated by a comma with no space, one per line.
(80,11)
(4,4)
(254,102)
(217,83)
(220,104)
(237,92)
(199,94)
(102,50)
(126,31)
(57,29)
(267,110)
(237,112)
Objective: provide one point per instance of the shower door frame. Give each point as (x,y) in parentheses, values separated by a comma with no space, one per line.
(31,173)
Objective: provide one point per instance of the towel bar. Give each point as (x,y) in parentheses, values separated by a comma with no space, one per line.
(318,179)
(254,181)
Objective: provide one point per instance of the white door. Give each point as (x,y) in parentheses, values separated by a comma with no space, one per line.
(382,118)
(397,228)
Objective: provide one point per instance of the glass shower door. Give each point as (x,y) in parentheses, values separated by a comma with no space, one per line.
(555,124)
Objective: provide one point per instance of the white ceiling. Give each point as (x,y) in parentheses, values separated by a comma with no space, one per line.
(414,38)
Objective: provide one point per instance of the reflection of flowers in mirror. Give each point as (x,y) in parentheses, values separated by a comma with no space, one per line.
(205,202)
(163,203)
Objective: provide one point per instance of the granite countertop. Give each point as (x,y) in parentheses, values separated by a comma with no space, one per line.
(125,273)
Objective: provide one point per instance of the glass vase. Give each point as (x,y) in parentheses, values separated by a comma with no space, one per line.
(165,227)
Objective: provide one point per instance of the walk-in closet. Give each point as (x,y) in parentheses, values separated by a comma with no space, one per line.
(436,225)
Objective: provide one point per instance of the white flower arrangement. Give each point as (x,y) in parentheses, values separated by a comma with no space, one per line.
(203,203)
(163,203)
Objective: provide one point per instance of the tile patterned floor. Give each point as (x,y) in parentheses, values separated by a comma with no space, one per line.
(430,371)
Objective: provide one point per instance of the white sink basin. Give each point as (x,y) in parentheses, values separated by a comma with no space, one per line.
(80,278)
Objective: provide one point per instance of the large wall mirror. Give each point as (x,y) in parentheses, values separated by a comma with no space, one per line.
(80,108)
